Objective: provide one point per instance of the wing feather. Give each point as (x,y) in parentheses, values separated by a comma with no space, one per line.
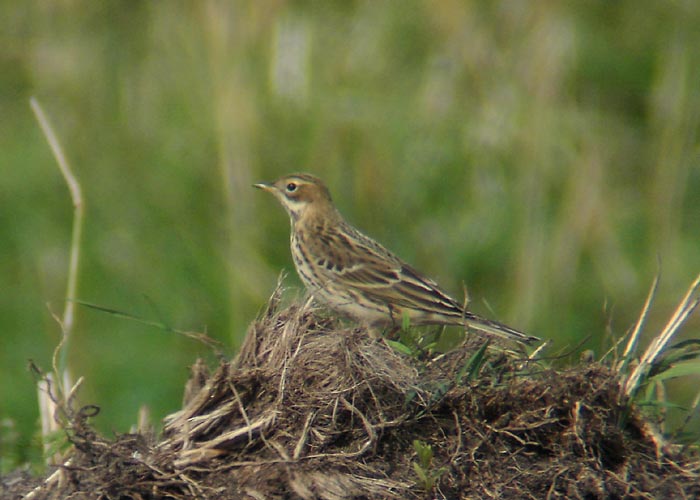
(371,269)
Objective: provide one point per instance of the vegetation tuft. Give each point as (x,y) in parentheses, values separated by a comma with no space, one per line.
(313,409)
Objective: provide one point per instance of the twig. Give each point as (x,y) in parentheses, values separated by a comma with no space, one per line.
(77,199)
(241,408)
(299,448)
(371,434)
(47,413)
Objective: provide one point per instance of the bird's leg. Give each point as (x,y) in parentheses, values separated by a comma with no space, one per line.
(393,332)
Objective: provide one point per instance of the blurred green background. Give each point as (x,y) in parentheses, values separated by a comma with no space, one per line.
(544,153)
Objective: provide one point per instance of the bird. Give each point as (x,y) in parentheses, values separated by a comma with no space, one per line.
(359,278)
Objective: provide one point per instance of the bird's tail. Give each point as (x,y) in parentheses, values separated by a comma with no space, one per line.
(474,322)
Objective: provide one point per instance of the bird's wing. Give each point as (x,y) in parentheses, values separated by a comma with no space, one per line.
(370,268)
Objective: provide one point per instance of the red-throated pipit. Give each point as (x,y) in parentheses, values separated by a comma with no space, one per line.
(358,277)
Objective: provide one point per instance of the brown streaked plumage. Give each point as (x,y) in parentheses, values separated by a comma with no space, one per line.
(358,277)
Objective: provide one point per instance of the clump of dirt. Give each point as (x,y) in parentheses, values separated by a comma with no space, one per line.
(313,410)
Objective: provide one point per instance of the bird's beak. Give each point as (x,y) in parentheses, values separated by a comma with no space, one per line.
(265,186)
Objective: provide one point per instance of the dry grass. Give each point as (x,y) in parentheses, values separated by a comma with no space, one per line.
(314,410)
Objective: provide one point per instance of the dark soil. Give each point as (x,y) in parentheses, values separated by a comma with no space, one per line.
(312,410)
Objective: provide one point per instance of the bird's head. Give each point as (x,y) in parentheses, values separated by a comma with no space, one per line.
(300,195)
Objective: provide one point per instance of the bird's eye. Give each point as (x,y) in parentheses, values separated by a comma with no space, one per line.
(291,187)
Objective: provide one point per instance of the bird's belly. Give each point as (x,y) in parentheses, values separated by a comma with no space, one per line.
(350,303)
(355,305)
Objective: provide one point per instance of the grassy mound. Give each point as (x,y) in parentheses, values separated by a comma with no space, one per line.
(312,410)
